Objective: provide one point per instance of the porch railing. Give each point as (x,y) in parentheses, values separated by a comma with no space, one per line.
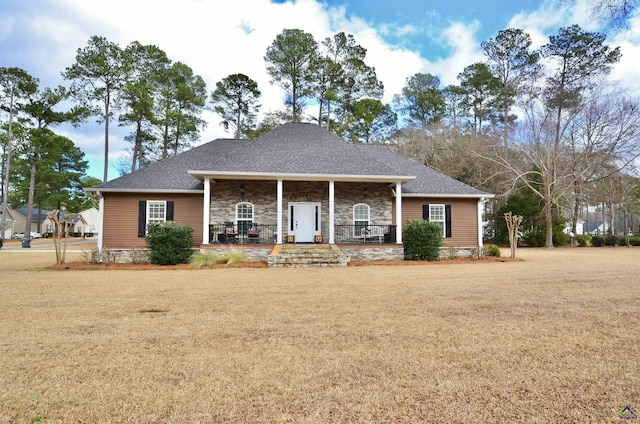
(252,233)
(354,234)
(243,233)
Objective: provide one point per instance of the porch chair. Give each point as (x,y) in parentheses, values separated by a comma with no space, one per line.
(253,233)
(230,233)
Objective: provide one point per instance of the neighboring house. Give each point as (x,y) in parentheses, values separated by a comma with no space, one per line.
(597,228)
(297,184)
(37,217)
(78,226)
(92,219)
(40,222)
(579,226)
(11,223)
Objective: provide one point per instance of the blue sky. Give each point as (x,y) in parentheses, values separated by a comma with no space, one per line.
(218,38)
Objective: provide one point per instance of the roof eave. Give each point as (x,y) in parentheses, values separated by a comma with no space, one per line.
(450,196)
(299,177)
(141,190)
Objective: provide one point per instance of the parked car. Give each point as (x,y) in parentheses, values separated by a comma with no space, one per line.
(20,235)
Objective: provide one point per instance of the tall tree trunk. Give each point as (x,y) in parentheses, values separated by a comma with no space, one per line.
(548,218)
(576,211)
(5,186)
(238,124)
(165,144)
(106,139)
(30,197)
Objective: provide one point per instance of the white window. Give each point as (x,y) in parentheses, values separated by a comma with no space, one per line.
(437,215)
(361,218)
(156,211)
(244,216)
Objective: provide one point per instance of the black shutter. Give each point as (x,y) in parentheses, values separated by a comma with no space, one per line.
(170,210)
(447,220)
(425,212)
(142,217)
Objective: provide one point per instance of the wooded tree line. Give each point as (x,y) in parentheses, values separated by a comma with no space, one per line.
(46,170)
(544,120)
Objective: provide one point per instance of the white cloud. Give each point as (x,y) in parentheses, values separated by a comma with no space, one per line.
(221,38)
(461,40)
(626,72)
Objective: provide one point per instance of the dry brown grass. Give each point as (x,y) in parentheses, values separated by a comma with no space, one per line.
(553,338)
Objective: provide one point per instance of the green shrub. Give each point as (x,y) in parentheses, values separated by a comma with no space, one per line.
(534,238)
(169,243)
(597,241)
(422,240)
(581,240)
(634,240)
(492,250)
(612,240)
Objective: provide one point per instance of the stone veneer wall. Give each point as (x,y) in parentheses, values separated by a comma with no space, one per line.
(256,254)
(374,253)
(225,195)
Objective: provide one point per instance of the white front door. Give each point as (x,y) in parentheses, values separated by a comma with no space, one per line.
(304,221)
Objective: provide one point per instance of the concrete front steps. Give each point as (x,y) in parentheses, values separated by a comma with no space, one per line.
(306,255)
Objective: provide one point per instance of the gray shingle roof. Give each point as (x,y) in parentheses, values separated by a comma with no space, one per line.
(299,148)
(171,173)
(295,148)
(428,181)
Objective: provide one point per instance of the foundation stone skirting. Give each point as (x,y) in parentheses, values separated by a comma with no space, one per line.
(459,252)
(253,254)
(374,253)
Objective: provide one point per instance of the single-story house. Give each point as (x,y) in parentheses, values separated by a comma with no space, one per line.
(92,218)
(597,228)
(40,222)
(297,184)
(78,226)
(10,221)
(579,226)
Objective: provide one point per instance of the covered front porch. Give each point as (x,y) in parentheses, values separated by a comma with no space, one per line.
(260,211)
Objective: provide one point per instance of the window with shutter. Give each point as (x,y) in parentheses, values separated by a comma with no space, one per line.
(153,211)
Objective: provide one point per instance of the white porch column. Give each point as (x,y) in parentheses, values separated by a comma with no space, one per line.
(480,242)
(206,211)
(399,213)
(279,213)
(332,217)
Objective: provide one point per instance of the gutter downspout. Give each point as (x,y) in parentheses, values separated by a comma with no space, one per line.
(100,223)
(480,241)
